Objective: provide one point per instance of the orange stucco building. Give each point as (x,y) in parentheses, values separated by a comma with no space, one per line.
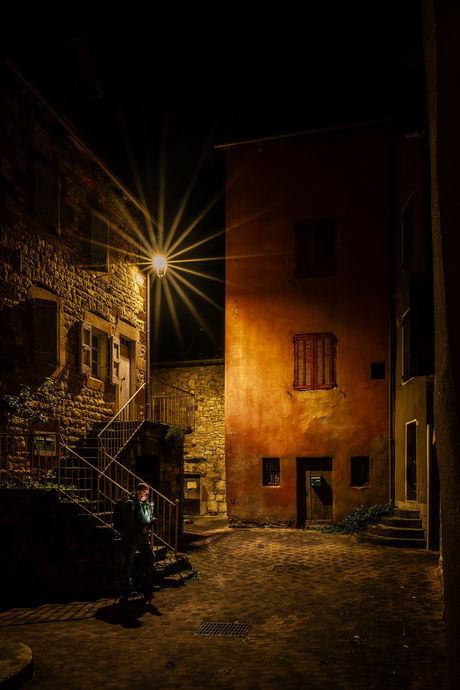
(307,325)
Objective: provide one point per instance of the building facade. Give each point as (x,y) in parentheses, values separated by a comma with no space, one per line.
(72,293)
(416,476)
(307,326)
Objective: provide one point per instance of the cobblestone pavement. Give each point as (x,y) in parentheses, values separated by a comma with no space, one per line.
(324,612)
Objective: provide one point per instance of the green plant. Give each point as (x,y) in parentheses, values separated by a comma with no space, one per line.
(175,437)
(28,408)
(360,519)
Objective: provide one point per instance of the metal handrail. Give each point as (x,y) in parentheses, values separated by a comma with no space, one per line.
(97,493)
(154,401)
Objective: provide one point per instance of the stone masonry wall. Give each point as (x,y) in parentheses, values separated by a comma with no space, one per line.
(39,261)
(204,449)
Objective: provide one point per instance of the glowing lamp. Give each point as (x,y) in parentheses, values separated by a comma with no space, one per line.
(160,264)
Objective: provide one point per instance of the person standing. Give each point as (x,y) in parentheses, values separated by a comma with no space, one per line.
(137,520)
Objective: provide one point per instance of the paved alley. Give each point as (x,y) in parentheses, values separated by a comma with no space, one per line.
(323,611)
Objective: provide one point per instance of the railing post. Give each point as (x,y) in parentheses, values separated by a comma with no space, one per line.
(177,528)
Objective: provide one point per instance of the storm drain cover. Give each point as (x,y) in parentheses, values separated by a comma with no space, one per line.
(224,629)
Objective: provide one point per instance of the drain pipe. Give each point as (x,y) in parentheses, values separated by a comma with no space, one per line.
(147,342)
(391,310)
(429,460)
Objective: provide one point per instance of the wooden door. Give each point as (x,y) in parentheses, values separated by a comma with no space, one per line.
(314,503)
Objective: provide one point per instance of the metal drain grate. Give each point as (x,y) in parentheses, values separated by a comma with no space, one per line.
(224,629)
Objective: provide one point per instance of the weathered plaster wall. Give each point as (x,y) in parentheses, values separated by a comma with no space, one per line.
(204,449)
(345,176)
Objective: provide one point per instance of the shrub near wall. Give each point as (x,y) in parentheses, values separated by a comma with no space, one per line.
(204,449)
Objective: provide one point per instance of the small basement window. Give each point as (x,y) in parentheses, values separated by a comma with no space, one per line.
(271,471)
(360,471)
(378,371)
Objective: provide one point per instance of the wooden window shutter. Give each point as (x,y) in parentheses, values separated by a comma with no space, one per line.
(46,331)
(85,348)
(115,361)
(314,361)
(324,361)
(303,365)
(99,239)
(47,197)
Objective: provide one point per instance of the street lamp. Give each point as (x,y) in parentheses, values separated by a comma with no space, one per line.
(160,264)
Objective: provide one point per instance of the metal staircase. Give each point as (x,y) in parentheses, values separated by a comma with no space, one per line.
(91,475)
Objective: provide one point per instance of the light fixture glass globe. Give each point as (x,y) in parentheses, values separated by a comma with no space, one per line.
(160,264)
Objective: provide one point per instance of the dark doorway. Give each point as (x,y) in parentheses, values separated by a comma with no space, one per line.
(314,491)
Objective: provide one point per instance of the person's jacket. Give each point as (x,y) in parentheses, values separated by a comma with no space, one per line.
(136,516)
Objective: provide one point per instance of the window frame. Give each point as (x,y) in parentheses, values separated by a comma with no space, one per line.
(87,333)
(407,231)
(42,335)
(271,469)
(307,359)
(316,253)
(99,244)
(354,472)
(47,195)
(406,371)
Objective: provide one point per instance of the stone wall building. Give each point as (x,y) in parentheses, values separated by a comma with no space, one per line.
(73,296)
(204,449)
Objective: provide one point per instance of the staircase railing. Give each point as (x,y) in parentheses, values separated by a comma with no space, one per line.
(97,493)
(154,401)
(54,465)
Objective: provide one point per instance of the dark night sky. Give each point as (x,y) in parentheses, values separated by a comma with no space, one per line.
(182,84)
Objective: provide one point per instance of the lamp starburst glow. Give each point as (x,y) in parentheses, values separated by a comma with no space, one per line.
(160,264)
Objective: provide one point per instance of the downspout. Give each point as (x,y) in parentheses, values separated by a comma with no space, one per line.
(391,312)
(147,343)
(429,460)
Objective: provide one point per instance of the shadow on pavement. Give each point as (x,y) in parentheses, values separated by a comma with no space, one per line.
(127,612)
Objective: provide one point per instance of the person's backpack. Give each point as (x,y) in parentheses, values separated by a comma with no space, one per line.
(117,515)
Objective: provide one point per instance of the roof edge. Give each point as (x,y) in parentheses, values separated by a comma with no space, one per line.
(306,132)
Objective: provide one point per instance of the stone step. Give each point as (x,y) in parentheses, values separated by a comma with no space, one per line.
(391,541)
(383,530)
(415,523)
(405,513)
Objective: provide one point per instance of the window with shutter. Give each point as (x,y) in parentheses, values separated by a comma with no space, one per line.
(115,361)
(314,361)
(407,223)
(47,197)
(406,348)
(99,239)
(85,348)
(315,248)
(46,331)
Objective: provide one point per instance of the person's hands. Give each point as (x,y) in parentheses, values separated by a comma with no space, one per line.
(145,530)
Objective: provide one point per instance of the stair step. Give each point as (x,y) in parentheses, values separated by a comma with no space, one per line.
(415,523)
(406,513)
(391,541)
(383,530)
